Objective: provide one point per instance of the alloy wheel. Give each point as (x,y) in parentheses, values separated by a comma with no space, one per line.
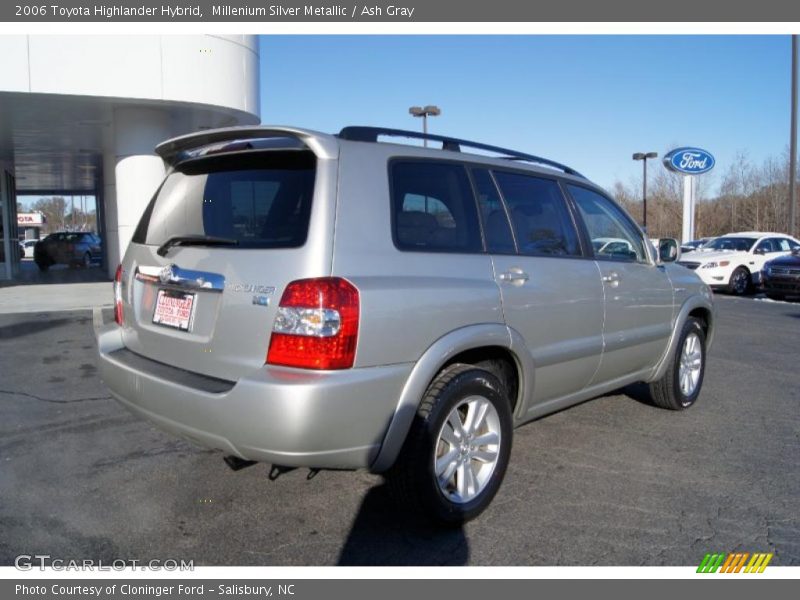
(467,449)
(691,364)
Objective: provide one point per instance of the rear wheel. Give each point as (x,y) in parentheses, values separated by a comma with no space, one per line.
(87,260)
(456,453)
(680,386)
(740,282)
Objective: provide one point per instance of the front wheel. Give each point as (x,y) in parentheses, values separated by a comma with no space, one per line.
(740,282)
(680,386)
(456,453)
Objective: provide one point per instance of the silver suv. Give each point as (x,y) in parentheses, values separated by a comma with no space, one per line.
(336,301)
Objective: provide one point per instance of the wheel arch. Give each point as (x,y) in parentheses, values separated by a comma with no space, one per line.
(700,307)
(473,344)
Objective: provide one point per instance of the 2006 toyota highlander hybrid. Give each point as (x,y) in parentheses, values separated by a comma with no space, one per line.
(337,301)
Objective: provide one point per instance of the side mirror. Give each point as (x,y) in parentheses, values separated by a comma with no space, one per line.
(669,250)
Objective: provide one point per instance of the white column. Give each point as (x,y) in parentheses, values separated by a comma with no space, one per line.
(688,208)
(132,172)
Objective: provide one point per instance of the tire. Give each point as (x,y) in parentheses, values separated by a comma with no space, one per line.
(476,471)
(671,391)
(776,296)
(740,282)
(43,265)
(87,260)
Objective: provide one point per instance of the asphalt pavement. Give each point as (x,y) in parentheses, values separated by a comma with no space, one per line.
(613,481)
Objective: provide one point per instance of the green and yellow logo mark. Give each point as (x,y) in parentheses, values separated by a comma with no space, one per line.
(735,562)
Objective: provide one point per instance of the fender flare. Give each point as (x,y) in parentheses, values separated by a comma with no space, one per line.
(688,306)
(430,363)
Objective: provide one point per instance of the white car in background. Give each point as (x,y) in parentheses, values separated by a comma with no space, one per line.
(611,245)
(27,248)
(733,262)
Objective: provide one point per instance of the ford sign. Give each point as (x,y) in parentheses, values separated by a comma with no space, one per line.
(690,161)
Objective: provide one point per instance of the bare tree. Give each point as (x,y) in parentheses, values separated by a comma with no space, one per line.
(750,197)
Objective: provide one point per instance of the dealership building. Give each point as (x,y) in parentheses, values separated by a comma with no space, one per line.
(81,115)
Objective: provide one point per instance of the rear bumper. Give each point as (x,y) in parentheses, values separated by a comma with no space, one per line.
(291,417)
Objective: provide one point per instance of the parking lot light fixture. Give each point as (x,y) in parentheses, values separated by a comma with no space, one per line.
(643,156)
(425,112)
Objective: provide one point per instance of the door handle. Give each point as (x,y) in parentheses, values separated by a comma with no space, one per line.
(611,279)
(515,276)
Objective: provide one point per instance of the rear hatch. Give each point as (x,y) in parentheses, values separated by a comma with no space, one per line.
(215,248)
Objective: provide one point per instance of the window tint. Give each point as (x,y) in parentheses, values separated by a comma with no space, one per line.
(260,200)
(495,221)
(434,208)
(781,244)
(793,245)
(542,223)
(765,246)
(612,233)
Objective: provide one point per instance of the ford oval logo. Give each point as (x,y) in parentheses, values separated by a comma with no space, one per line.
(691,161)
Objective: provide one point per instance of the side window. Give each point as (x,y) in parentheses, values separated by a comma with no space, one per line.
(765,246)
(434,209)
(781,244)
(793,245)
(613,235)
(541,219)
(495,220)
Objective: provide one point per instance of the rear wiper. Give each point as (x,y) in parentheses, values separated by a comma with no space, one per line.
(195,240)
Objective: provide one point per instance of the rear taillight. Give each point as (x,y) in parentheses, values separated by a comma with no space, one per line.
(118,295)
(316,326)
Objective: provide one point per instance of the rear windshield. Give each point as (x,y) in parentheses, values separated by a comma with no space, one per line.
(261,200)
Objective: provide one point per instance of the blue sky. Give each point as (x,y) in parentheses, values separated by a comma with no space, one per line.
(587,101)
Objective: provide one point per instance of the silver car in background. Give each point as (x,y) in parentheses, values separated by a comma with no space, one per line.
(335,301)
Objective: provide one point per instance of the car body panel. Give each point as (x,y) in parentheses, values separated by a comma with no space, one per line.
(559,312)
(274,414)
(638,317)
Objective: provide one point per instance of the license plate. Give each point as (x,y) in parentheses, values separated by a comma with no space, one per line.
(174,309)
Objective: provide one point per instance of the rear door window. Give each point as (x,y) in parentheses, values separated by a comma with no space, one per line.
(260,200)
(497,230)
(542,222)
(433,207)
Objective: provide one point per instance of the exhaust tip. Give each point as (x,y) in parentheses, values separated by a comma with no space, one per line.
(236,463)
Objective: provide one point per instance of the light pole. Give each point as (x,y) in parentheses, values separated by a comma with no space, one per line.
(643,156)
(430,110)
(793,144)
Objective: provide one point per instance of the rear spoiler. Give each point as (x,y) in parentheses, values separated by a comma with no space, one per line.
(176,149)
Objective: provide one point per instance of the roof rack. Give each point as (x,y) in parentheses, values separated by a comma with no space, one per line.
(370,134)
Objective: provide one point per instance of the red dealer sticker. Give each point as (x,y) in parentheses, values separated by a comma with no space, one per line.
(174,309)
